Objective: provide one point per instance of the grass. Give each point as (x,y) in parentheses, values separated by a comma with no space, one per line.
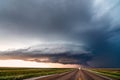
(23,73)
(113,73)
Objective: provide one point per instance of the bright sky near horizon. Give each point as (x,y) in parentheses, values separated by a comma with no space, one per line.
(21,63)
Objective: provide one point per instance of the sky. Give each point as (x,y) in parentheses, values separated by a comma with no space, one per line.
(64,33)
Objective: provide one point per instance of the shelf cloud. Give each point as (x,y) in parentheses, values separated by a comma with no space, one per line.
(84,32)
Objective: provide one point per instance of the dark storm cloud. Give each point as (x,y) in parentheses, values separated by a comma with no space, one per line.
(30,17)
(55,53)
(75,20)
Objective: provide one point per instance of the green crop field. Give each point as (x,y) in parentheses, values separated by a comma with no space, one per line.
(22,73)
(110,72)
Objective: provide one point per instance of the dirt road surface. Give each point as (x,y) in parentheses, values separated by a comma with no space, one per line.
(77,74)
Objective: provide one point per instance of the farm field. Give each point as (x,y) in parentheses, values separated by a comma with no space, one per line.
(110,72)
(23,73)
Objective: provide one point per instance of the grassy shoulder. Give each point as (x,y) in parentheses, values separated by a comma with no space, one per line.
(113,73)
(22,73)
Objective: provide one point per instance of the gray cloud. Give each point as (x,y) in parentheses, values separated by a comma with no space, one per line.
(67,20)
(35,18)
(55,53)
